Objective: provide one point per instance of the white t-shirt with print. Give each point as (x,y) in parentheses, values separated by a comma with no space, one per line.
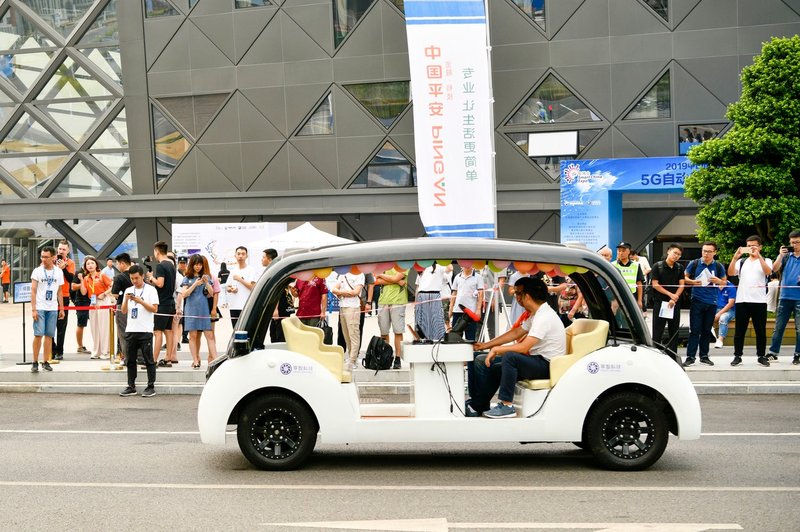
(237,300)
(350,281)
(752,281)
(48,291)
(548,329)
(139,318)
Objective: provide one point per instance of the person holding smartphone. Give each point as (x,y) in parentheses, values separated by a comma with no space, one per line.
(196,288)
(751,297)
(67,267)
(139,303)
(788,264)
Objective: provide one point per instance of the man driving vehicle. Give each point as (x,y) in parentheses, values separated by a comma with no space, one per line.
(543,337)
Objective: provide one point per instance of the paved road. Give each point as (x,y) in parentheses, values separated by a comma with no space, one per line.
(107,463)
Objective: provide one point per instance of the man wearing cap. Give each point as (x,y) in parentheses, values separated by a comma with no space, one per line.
(630,271)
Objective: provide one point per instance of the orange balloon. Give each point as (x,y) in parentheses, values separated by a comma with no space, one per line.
(523,267)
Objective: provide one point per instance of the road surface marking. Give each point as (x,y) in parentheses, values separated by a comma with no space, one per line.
(196,433)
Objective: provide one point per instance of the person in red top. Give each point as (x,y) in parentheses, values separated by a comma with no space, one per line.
(5,279)
(313,296)
(67,266)
(97,287)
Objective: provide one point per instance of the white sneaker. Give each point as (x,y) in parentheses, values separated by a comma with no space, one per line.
(718,344)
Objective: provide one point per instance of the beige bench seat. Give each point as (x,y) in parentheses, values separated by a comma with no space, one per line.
(309,341)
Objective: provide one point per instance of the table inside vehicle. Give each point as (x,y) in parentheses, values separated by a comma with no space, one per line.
(431,395)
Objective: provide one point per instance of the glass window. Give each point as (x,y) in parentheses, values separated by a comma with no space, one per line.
(28,135)
(6,192)
(104,29)
(346,14)
(22,70)
(661,7)
(384,101)
(158,8)
(389,168)
(118,163)
(115,136)
(552,102)
(17,32)
(401,5)
(129,246)
(552,165)
(33,173)
(694,134)
(81,182)
(108,60)
(656,103)
(96,232)
(321,121)
(62,16)
(242,4)
(534,9)
(5,113)
(193,113)
(72,81)
(77,118)
(169,143)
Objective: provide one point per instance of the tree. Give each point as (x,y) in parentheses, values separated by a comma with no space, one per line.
(751,178)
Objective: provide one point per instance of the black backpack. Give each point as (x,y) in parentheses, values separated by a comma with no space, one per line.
(379,356)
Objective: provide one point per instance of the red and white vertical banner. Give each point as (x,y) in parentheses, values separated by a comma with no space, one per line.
(448,52)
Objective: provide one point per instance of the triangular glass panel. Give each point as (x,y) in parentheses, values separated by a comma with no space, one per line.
(22,70)
(660,7)
(33,173)
(552,102)
(534,9)
(192,3)
(243,4)
(6,192)
(345,17)
(108,60)
(128,246)
(321,121)
(115,135)
(104,29)
(71,80)
(159,8)
(401,5)
(170,145)
(61,16)
(119,164)
(82,182)
(27,136)
(692,135)
(389,168)
(656,103)
(96,232)
(5,99)
(552,165)
(384,101)
(5,113)
(77,118)
(193,113)
(17,32)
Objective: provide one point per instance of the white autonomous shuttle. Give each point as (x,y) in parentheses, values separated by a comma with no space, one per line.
(613,393)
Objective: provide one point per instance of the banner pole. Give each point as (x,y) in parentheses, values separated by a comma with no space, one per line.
(24,338)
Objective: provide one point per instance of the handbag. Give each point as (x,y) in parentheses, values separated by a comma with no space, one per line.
(327,332)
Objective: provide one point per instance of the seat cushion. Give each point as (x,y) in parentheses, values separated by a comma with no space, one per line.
(535,384)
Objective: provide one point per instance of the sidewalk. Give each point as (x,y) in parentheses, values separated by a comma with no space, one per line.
(78,374)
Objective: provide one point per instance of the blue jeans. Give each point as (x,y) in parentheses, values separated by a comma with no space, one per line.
(724,320)
(516,366)
(483,382)
(701,319)
(786,307)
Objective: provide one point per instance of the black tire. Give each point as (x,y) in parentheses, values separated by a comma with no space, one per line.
(627,432)
(581,445)
(276,432)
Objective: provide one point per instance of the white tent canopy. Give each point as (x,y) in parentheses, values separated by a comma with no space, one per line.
(303,237)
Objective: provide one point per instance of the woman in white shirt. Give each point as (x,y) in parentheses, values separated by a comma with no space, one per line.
(428,313)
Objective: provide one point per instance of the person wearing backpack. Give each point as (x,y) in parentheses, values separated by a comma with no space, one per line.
(705,275)
(751,297)
(789,300)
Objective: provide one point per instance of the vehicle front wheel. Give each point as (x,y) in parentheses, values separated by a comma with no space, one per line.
(276,432)
(627,432)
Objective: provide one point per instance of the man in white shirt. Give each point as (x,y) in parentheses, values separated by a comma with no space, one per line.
(544,338)
(109,270)
(348,289)
(241,282)
(139,303)
(751,298)
(468,291)
(47,306)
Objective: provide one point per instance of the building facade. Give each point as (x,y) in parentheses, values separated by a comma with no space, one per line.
(120,117)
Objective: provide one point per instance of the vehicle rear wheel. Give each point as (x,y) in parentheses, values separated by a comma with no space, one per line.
(627,432)
(276,432)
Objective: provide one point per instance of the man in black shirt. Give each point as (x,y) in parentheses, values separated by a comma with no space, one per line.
(122,281)
(668,284)
(164,281)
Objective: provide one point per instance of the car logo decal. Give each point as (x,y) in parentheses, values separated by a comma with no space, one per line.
(286,368)
(593,367)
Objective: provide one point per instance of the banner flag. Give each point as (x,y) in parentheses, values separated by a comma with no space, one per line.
(448,53)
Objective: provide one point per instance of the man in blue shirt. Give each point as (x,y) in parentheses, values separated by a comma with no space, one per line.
(726,311)
(704,275)
(789,303)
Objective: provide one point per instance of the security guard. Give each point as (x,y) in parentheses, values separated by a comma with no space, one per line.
(630,271)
